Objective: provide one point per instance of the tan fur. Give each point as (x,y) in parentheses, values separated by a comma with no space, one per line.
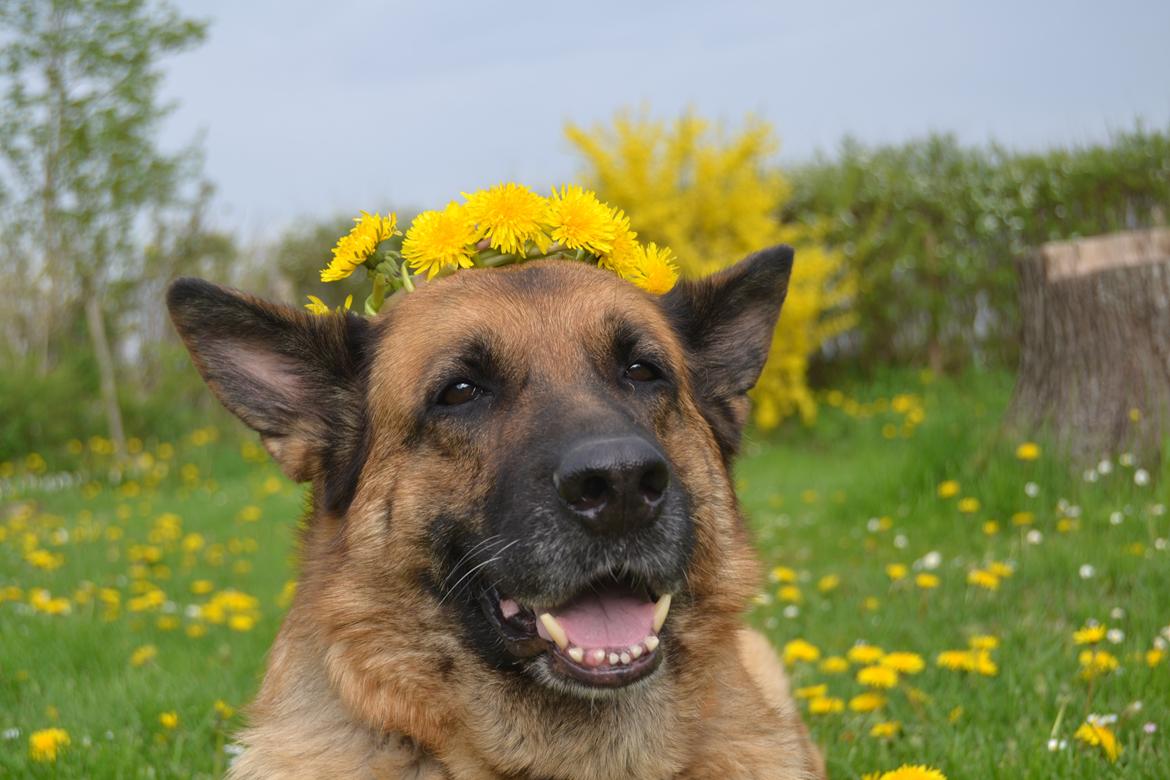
(369,676)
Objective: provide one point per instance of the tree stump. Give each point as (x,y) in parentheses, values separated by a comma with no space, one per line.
(1094,374)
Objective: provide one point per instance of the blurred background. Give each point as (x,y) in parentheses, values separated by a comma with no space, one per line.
(922,157)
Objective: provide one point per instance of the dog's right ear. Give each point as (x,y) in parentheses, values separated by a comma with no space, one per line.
(295,378)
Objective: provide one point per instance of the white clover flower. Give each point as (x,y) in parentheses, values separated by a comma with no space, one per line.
(1105,467)
(12,733)
(1115,636)
(1087,571)
(932,560)
(1090,475)
(791,611)
(1116,518)
(1031,490)
(1141,477)
(873,525)
(1034,537)
(1057,744)
(901,542)
(1125,459)
(1117,613)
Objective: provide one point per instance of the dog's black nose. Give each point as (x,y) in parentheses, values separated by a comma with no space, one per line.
(613,485)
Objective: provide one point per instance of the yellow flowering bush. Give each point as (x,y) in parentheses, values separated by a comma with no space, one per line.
(713,198)
(502,225)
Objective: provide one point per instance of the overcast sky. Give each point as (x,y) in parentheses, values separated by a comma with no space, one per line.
(313,108)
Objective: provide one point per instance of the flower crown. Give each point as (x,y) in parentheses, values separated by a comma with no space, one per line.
(506,224)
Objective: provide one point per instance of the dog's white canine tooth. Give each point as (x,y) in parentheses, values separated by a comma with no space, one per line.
(613,659)
(636,651)
(577,654)
(624,658)
(554,630)
(660,610)
(651,643)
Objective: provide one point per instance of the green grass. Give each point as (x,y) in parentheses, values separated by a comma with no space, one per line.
(813,496)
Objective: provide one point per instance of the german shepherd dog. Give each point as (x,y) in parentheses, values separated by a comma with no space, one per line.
(524,557)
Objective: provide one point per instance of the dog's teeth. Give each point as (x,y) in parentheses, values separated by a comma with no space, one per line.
(577,654)
(614,658)
(636,651)
(554,630)
(595,657)
(624,658)
(660,610)
(651,643)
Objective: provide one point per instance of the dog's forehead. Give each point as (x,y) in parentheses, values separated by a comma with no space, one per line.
(548,314)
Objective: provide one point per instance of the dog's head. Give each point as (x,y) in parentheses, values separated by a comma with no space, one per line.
(519,473)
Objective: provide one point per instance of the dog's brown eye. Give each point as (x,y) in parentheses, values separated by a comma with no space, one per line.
(642,372)
(459,393)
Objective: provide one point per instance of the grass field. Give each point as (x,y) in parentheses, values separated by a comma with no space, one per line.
(134,617)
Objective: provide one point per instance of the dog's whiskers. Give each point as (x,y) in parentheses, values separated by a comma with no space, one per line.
(455,589)
(487,540)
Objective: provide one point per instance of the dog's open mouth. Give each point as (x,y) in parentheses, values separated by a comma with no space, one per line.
(607,636)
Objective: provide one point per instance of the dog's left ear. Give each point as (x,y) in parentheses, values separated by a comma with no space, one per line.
(726,322)
(297,379)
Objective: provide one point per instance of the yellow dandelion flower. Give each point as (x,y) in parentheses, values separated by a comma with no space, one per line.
(1154,657)
(812,691)
(654,270)
(1001,570)
(916,772)
(905,663)
(983,642)
(867,702)
(982,578)
(580,221)
(223,709)
(991,528)
(1023,518)
(968,505)
(825,705)
(865,654)
(783,574)
(790,594)
(1095,663)
(143,655)
(44,745)
(981,663)
(1099,736)
(800,650)
(926,581)
(509,216)
(829,582)
(1028,451)
(956,660)
(877,677)
(834,664)
(1090,635)
(623,255)
(948,489)
(897,571)
(355,247)
(316,306)
(886,729)
(169,720)
(440,240)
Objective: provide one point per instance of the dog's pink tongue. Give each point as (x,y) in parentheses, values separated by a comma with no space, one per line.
(606,619)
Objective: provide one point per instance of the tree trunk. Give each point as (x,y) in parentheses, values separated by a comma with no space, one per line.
(1094,371)
(105,360)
